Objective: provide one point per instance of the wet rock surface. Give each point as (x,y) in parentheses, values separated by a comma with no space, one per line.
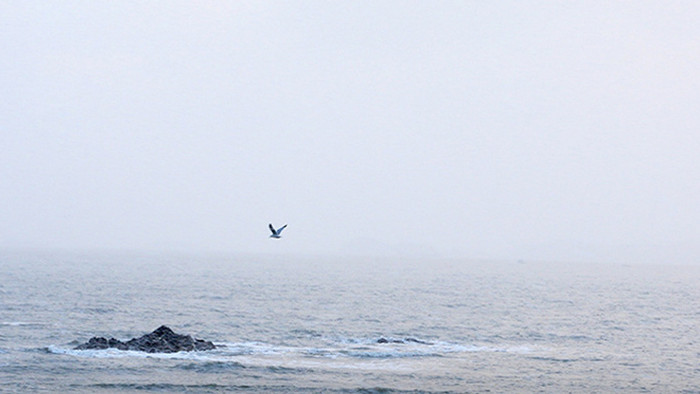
(162,340)
(403,341)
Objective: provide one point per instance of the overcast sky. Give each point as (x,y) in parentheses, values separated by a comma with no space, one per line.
(477,129)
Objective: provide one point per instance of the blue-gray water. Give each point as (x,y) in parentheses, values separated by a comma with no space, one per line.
(312,324)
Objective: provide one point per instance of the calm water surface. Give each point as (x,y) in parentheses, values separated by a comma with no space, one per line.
(312,324)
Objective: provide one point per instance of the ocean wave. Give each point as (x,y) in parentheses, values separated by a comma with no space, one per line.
(377,390)
(379,340)
(364,348)
(116,353)
(212,366)
(567,360)
(388,354)
(229,355)
(424,347)
(253,348)
(217,388)
(164,387)
(554,337)
(21,324)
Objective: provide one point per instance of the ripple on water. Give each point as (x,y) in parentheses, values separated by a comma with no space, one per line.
(212,366)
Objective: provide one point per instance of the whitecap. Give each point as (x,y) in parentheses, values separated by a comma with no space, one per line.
(253,348)
(116,353)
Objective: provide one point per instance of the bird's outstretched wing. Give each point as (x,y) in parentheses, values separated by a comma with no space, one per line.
(272,229)
(279,230)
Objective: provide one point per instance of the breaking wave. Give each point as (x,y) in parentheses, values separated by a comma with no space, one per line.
(337,348)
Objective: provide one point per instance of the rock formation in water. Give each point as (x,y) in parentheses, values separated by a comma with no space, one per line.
(162,340)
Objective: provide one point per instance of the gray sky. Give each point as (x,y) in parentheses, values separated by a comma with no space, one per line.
(525,129)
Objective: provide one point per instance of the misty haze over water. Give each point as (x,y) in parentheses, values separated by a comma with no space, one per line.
(506,130)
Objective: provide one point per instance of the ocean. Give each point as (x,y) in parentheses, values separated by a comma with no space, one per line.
(316,324)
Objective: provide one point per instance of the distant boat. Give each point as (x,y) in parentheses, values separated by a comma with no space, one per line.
(276,233)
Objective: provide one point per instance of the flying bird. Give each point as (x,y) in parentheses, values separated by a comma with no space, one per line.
(276,233)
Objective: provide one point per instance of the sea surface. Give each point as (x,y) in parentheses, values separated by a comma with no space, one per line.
(314,324)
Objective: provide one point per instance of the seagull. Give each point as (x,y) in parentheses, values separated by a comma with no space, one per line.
(276,233)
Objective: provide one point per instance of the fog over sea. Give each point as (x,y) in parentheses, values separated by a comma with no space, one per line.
(312,324)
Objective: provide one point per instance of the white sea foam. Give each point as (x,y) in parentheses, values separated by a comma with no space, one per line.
(253,348)
(116,353)
(359,348)
(408,347)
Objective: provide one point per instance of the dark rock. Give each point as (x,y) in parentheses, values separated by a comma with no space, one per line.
(162,340)
(407,340)
(384,340)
